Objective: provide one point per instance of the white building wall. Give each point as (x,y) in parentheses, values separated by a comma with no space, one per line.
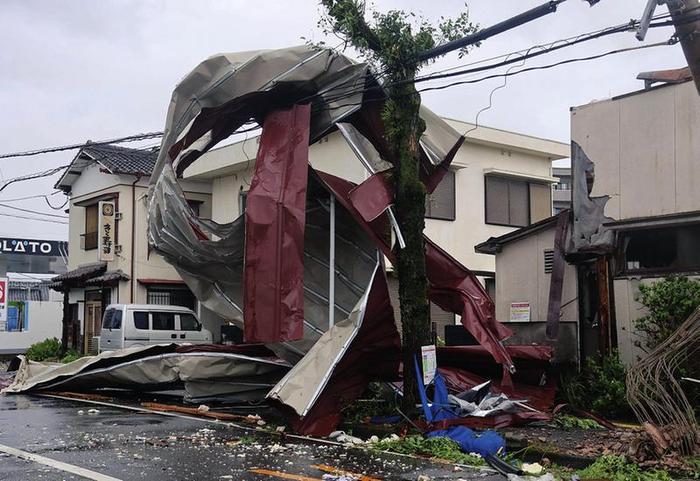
(521,278)
(645,149)
(44,323)
(332,155)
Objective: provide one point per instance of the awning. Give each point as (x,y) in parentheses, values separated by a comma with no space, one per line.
(78,276)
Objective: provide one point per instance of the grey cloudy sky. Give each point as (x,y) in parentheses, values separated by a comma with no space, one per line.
(73,70)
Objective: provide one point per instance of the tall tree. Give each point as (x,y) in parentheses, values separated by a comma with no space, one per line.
(392,42)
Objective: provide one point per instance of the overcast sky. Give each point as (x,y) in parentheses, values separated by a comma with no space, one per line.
(73,70)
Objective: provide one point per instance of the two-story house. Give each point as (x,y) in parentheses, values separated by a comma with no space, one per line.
(116,179)
(498,181)
(635,218)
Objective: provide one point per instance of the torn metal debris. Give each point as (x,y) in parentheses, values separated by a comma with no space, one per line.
(234,374)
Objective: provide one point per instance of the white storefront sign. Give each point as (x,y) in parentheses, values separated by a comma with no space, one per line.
(105,232)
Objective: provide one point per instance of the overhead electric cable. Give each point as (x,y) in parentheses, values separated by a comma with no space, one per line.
(33,218)
(119,140)
(30,211)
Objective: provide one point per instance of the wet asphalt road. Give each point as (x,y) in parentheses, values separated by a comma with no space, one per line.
(130,446)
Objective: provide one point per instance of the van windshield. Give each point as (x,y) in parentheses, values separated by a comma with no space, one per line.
(112,319)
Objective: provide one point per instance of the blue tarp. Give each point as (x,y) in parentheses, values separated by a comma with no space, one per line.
(486,443)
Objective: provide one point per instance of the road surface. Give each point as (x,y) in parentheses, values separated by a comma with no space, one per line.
(118,444)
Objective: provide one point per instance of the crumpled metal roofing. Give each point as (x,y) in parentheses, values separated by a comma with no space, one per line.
(224,93)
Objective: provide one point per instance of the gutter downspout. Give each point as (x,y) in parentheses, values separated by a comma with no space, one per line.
(133,238)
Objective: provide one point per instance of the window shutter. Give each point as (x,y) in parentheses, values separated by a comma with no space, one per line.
(497,201)
(519,205)
(540,201)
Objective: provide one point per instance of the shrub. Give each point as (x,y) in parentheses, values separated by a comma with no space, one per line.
(600,387)
(70,356)
(46,350)
(669,302)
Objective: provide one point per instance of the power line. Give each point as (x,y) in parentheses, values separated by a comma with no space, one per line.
(33,218)
(119,140)
(575,40)
(17,199)
(543,67)
(30,211)
(32,176)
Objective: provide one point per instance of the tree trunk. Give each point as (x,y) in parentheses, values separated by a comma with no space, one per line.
(404,128)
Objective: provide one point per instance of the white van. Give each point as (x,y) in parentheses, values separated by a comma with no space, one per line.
(127,325)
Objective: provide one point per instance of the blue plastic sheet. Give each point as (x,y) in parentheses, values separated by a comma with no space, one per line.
(487,443)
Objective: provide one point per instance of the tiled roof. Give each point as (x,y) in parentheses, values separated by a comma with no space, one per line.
(112,158)
(78,275)
(108,277)
(123,160)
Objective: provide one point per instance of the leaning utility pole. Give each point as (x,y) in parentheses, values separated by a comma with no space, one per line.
(686,19)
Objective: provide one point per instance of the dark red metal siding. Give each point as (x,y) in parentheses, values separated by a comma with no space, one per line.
(274,230)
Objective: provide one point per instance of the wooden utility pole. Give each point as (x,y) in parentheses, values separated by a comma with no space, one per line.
(686,18)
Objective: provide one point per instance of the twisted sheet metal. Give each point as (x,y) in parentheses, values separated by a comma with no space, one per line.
(655,393)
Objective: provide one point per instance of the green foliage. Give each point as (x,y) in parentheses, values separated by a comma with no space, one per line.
(70,356)
(617,468)
(439,447)
(46,350)
(393,39)
(600,387)
(568,423)
(669,302)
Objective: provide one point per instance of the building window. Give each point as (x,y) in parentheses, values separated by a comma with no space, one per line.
(194,206)
(441,203)
(490,286)
(515,202)
(660,250)
(171,296)
(91,221)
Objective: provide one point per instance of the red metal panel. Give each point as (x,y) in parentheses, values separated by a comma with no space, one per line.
(372,197)
(373,355)
(274,230)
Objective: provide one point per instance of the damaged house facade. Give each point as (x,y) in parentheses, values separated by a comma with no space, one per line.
(109,259)
(635,219)
(498,181)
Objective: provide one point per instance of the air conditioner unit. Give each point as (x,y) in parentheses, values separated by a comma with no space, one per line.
(94,346)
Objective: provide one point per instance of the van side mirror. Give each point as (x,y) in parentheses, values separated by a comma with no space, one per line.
(199,326)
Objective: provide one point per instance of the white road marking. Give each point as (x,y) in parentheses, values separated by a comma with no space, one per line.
(68,468)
